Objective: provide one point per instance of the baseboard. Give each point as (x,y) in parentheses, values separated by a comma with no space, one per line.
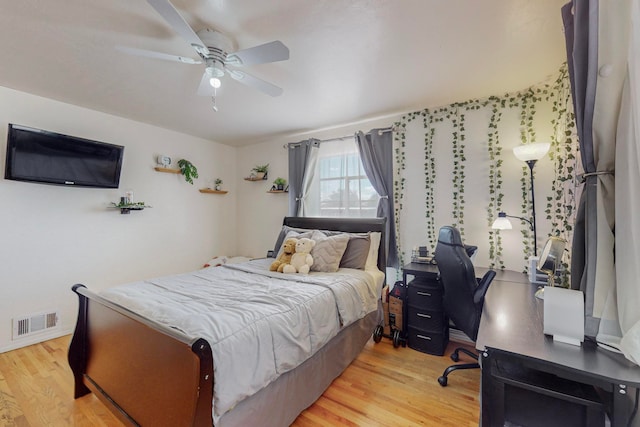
(459,336)
(35,339)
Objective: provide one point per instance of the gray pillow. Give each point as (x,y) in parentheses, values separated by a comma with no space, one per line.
(328,251)
(283,234)
(355,256)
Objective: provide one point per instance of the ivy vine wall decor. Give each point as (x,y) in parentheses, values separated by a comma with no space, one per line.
(455,166)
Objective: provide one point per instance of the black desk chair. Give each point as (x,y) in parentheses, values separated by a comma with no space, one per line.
(463,293)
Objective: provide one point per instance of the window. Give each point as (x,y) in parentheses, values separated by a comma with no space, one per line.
(340,187)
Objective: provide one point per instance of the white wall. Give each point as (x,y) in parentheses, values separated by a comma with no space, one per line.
(53,237)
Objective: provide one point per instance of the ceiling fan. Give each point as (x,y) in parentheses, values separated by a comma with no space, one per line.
(217,52)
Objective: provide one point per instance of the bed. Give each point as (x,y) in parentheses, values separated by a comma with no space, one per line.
(152,365)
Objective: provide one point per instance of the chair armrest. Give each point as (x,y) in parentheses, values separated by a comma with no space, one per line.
(483,286)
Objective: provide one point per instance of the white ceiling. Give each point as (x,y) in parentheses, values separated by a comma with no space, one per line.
(350,60)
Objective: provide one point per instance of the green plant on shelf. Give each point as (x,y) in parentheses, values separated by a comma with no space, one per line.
(188,170)
(261,168)
(130,205)
(279,183)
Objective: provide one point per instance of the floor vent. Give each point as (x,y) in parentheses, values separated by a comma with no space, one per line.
(34,323)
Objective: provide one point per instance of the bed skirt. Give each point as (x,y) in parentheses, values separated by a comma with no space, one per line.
(280,403)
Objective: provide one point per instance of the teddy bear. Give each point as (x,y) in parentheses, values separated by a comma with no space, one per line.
(288,249)
(301,261)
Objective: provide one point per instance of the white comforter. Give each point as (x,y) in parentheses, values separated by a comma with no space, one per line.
(259,324)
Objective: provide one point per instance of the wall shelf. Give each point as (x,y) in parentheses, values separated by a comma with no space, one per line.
(167,170)
(277,191)
(126,209)
(212,191)
(255,178)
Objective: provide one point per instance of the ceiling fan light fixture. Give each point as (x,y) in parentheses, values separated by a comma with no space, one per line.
(215,82)
(214,68)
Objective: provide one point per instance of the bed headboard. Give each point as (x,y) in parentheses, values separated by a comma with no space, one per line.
(349,225)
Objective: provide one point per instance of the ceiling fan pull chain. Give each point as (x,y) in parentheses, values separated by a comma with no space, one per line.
(213,100)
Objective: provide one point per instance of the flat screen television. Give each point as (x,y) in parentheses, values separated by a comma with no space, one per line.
(40,156)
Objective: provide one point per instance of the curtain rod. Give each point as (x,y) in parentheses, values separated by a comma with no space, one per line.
(380,132)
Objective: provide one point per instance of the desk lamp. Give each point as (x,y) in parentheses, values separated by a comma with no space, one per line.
(502,223)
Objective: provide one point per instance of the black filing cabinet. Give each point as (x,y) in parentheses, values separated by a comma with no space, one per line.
(427,323)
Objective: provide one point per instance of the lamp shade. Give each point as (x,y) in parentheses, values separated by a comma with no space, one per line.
(534,151)
(501,223)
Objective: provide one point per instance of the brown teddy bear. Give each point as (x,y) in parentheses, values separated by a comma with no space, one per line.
(288,249)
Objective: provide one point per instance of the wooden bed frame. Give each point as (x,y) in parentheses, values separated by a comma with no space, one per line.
(151,375)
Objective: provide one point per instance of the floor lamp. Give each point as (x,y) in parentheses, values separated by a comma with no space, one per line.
(530,154)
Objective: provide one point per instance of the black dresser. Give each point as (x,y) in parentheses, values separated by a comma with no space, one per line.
(426,322)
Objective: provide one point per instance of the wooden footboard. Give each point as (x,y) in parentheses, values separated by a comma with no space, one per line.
(146,374)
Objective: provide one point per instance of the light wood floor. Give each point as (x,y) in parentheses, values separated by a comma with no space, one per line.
(384,386)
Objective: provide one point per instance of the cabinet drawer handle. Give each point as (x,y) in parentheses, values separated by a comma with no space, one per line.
(424,337)
(424,294)
(428,316)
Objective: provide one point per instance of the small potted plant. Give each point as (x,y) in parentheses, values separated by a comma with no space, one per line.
(280,183)
(261,171)
(188,170)
(217,184)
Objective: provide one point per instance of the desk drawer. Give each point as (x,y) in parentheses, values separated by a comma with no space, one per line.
(428,342)
(426,297)
(427,320)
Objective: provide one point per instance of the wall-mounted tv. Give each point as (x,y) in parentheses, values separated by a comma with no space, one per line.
(50,158)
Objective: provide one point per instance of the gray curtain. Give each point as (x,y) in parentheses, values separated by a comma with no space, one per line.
(628,199)
(376,153)
(581,32)
(599,56)
(301,154)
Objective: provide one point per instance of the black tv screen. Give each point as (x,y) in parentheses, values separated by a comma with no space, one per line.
(46,157)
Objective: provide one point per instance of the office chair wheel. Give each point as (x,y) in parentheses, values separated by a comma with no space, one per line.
(377,334)
(396,338)
(442,381)
(454,356)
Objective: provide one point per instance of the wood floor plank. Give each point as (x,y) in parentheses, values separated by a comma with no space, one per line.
(384,386)
(10,412)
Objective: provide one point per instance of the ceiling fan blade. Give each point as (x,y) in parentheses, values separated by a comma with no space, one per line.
(256,83)
(268,52)
(157,55)
(179,25)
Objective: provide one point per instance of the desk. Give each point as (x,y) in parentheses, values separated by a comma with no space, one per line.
(428,271)
(511,334)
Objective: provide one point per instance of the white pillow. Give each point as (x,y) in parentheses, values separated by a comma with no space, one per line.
(372,258)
